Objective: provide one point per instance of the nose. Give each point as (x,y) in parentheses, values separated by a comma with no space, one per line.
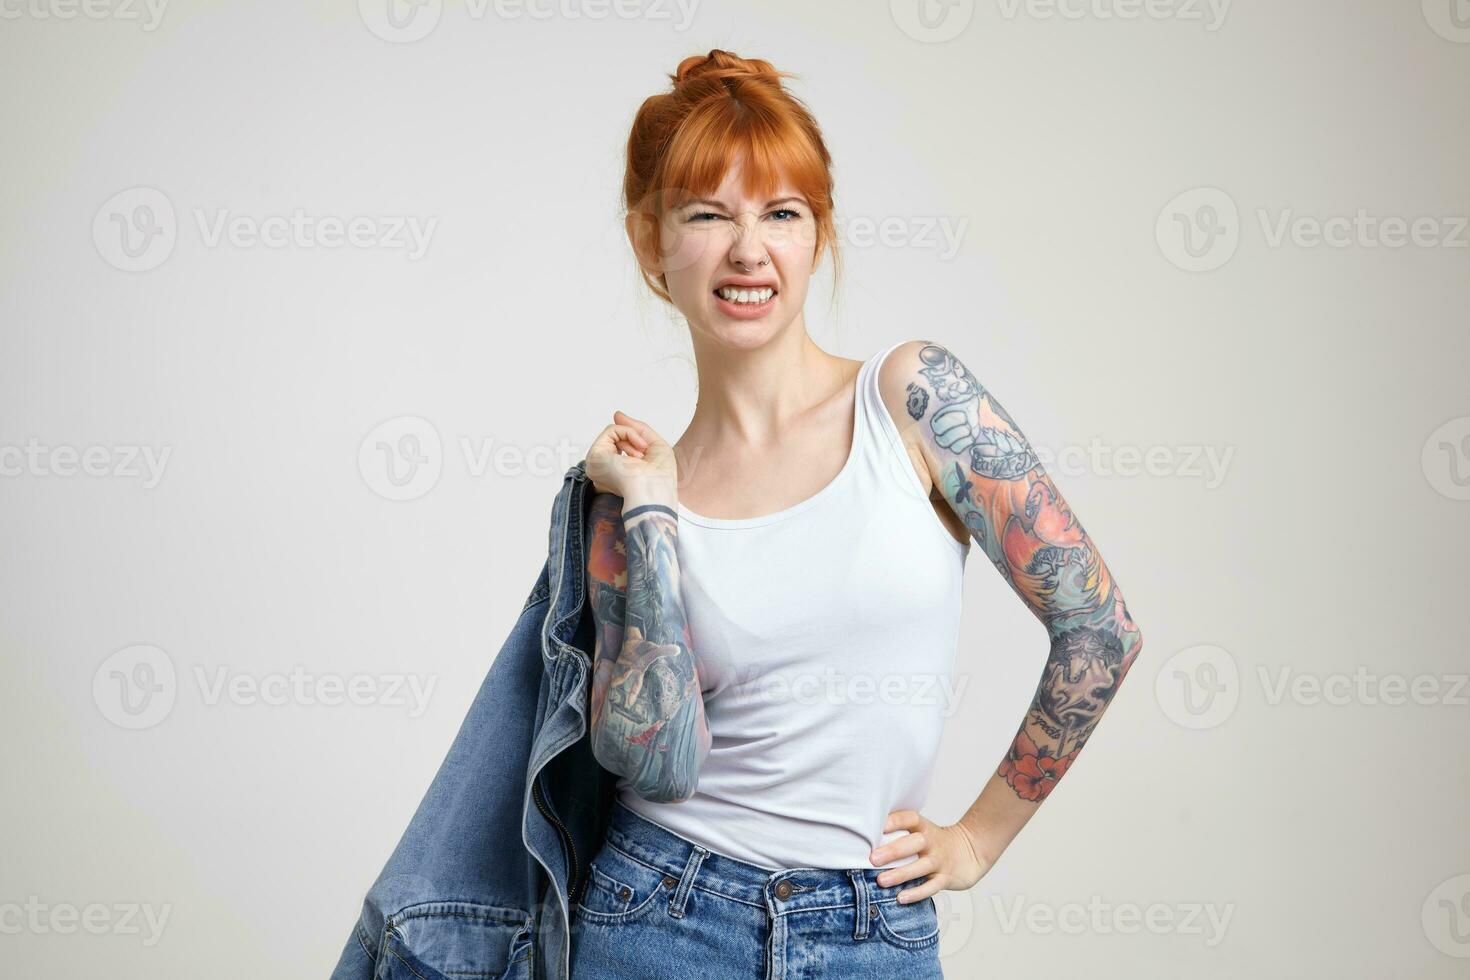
(749,248)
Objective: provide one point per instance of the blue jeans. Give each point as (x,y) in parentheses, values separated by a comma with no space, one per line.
(659,905)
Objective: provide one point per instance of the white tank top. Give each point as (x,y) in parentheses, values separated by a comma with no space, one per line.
(825,638)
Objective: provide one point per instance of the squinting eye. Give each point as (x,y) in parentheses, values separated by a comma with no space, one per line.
(703,214)
(795,215)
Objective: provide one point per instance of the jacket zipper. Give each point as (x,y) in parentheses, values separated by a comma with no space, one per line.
(569,845)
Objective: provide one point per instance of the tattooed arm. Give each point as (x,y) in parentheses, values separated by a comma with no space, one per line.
(989,476)
(648,720)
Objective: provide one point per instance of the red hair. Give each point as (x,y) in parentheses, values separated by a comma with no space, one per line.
(723,109)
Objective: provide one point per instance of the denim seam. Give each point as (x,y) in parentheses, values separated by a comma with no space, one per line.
(631,914)
(362,941)
(907,942)
(539,594)
(407,915)
(406,965)
(686,881)
(420,912)
(725,895)
(665,871)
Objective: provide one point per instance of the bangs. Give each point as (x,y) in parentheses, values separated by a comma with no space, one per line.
(720,135)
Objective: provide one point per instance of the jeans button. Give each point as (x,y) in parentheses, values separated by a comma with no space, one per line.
(783,890)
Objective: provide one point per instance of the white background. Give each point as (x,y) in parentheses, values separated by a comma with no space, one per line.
(1331,540)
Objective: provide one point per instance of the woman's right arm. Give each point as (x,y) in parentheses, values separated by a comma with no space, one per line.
(648,721)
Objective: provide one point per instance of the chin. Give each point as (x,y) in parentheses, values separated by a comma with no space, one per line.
(742,334)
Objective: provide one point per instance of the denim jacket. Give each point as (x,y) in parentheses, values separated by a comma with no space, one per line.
(482,880)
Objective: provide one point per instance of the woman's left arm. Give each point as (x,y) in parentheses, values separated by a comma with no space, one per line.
(991,479)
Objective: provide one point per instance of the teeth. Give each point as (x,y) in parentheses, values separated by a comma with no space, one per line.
(734,294)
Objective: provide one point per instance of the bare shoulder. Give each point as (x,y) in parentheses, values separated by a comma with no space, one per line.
(900,380)
(901,385)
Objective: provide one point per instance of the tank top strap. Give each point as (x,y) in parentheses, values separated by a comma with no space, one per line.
(885,457)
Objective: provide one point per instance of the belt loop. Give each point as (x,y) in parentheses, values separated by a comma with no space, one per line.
(686,881)
(860,902)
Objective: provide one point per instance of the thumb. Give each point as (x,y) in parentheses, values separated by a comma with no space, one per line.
(641,427)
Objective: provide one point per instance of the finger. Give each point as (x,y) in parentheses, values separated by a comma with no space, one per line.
(612,435)
(643,428)
(618,438)
(630,447)
(907,872)
(931,887)
(633,435)
(910,843)
(902,820)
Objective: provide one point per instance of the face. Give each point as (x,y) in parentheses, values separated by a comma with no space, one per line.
(724,244)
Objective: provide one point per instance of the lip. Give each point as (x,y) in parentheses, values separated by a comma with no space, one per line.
(746,282)
(745,311)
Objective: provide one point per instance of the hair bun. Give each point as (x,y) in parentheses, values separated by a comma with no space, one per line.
(719,64)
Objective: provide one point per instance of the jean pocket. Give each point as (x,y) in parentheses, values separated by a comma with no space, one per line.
(445,940)
(911,926)
(621,889)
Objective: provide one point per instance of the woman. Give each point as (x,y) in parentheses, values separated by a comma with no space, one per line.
(768,683)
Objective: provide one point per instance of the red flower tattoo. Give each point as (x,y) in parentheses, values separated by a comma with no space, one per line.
(1033,772)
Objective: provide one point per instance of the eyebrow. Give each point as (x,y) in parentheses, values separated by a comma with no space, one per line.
(722,205)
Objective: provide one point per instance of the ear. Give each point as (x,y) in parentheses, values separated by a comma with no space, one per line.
(642,229)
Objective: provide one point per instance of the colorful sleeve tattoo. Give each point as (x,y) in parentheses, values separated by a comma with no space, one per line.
(647,720)
(992,480)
